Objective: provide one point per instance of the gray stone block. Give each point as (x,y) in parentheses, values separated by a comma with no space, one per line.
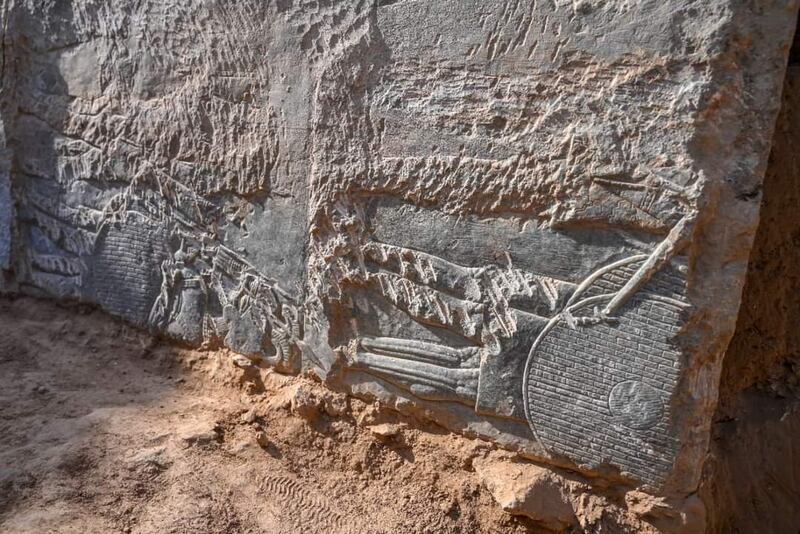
(6,219)
(529,222)
(6,203)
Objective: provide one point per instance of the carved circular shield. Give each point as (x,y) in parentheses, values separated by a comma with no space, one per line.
(597,391)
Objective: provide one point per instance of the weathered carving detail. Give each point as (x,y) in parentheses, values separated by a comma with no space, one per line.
(609,326)
(429,371)
(592,378)
(635,404)
(497,219)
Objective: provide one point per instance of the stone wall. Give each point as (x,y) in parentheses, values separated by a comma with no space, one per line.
(6,109)
(527,221)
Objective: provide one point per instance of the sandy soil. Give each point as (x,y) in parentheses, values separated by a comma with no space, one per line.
(103,429)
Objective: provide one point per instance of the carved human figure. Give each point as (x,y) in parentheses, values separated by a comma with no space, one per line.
(499,310)
(180,305)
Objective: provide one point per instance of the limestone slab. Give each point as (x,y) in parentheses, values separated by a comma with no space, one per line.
(528,221)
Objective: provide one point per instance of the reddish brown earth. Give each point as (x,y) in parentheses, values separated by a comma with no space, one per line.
(103,430)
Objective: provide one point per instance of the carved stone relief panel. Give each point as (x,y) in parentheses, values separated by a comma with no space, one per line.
(6,203)
(527,221)
(6,208)
(161,167)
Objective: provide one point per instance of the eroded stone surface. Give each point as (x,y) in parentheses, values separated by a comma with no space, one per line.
(6,218)
(527,221)
(6,204)
(531,491)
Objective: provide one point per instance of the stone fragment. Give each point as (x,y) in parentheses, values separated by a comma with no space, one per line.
(529,490)
(242,361)
(305,402)
(151,461)
(335,405)
(262,439)
(200,434)
(387,432)
(249,417)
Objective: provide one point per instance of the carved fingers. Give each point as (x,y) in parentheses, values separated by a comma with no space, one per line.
(428,370)
(429,306)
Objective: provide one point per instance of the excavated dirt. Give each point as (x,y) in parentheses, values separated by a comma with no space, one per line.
(104,429)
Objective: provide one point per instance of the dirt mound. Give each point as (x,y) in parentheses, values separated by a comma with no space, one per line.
(104,430)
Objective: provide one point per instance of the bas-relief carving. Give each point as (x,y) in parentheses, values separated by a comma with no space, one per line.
(6,218)
(589,365)
(153,256)
(512,343)
(155,183)
(449,215)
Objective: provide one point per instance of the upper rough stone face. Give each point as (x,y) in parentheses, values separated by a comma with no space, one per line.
(529,221)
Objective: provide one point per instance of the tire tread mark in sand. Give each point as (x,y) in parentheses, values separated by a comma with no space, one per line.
(306,508)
